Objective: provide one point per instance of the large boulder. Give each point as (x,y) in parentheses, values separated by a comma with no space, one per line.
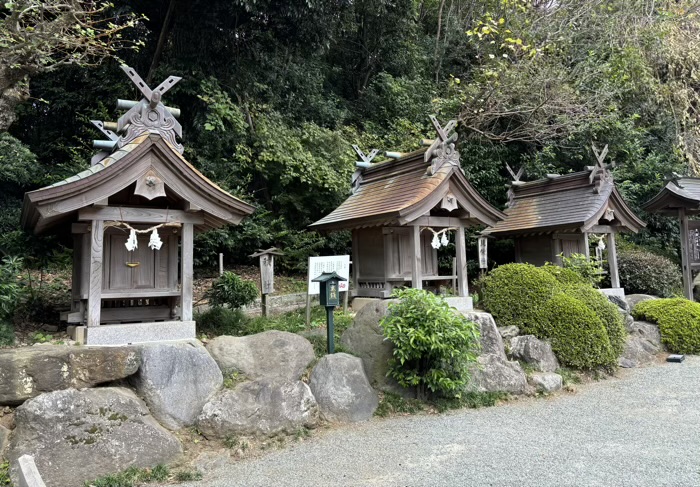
(508,332)
(491,340)
(268,355)
(642,345)
(259,408)
(176,380)
(621,303)
(76,436)
(4,436)
(28,372)
(493,373)
(342,390)
(365,339)
(534,351)
(546,382)
(634,299)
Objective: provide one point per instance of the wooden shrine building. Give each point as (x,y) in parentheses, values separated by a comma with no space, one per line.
(133,215)
(559,214)
(680,198)
(402,210)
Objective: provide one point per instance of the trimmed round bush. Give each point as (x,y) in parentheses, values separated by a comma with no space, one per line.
(515,294)
(567,277)
(577,335)
(678,320)
(606,311)
(647,273)
(231,290)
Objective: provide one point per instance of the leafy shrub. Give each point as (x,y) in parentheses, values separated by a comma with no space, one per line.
(565,276)
(587,268)
(678,320)
(433,345)
(647,273)
(11,292)
(43,302)
(606,311)
(221,321)
(577,335)
(516,293)
(229,289)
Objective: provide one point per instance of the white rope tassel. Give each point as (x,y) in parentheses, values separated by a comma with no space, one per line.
(155,243)
(444,241)
(132,242)
(436,241)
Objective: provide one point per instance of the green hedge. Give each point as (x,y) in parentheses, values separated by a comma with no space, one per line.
(647,273)
(678,320)
(606,311)
(516,293)
(577,335)
(564,276)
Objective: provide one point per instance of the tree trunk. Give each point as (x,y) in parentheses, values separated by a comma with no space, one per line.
(9,99)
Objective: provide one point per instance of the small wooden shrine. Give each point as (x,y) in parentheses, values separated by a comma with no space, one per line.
(681,198)
(133,215)
(401,211)
(558,215)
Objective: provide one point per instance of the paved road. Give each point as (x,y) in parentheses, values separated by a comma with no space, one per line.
(641,430)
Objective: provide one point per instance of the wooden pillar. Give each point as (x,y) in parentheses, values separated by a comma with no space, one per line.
(612,260)
(417,262)
(355,262)
(586,246)
(186,271)
(94,306)
(461,249)
(557,251)
(685,255)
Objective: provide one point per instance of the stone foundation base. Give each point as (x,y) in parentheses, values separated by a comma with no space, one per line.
(136,333)
(462,304)
(614,291)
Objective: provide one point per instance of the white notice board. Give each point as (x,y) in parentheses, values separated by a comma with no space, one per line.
(338,263)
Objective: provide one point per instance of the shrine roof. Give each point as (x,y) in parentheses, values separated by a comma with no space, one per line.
(400,190)
(571,202)
(678,193)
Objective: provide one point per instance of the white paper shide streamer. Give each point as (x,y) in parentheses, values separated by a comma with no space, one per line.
(132,242)
(155,243)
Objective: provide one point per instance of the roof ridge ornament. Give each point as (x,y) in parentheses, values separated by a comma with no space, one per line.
(515,182)
(364,163)
(149,114)
(600,173)
(442,150)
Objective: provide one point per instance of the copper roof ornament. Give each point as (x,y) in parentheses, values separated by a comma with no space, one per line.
(442,150)
(600,173)
(515,182)
(364,163)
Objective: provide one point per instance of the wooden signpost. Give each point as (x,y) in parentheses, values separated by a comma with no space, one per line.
(267,273)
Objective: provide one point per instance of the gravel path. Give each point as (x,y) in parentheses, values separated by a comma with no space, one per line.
(641,430)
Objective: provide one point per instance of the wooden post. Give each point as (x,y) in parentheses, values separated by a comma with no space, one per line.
(556,252)
(685,255)
(221,264)
(612,261)
(186,265)
(586,247)
(417,261)
(461,249)
(355,262)
(95,289)
(454,273)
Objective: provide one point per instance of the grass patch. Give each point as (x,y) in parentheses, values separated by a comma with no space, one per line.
(188,475)
(7,336)
(569,376)
(233,442)
(5,473)
(391,403)
(233,378)
(130,477)
(472,400)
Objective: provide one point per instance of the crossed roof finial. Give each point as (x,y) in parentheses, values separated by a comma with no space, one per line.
(442,150)
(600,172)
(364,163)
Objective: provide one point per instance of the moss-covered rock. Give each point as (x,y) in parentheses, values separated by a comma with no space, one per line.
(515,294)
(678,320)
(577,334)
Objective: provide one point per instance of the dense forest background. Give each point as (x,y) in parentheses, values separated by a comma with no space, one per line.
(275,92)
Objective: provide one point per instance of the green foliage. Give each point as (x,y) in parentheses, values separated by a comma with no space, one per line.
(606,311)
(232,291)
(569,376)
(5,473)
(132,477)
(391,404)
(565,276)
(217,321)
(678,320)
(583,266)
(648,273)
(433,345)
(188,475)
(471,400)
(515,294)
(578,337)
